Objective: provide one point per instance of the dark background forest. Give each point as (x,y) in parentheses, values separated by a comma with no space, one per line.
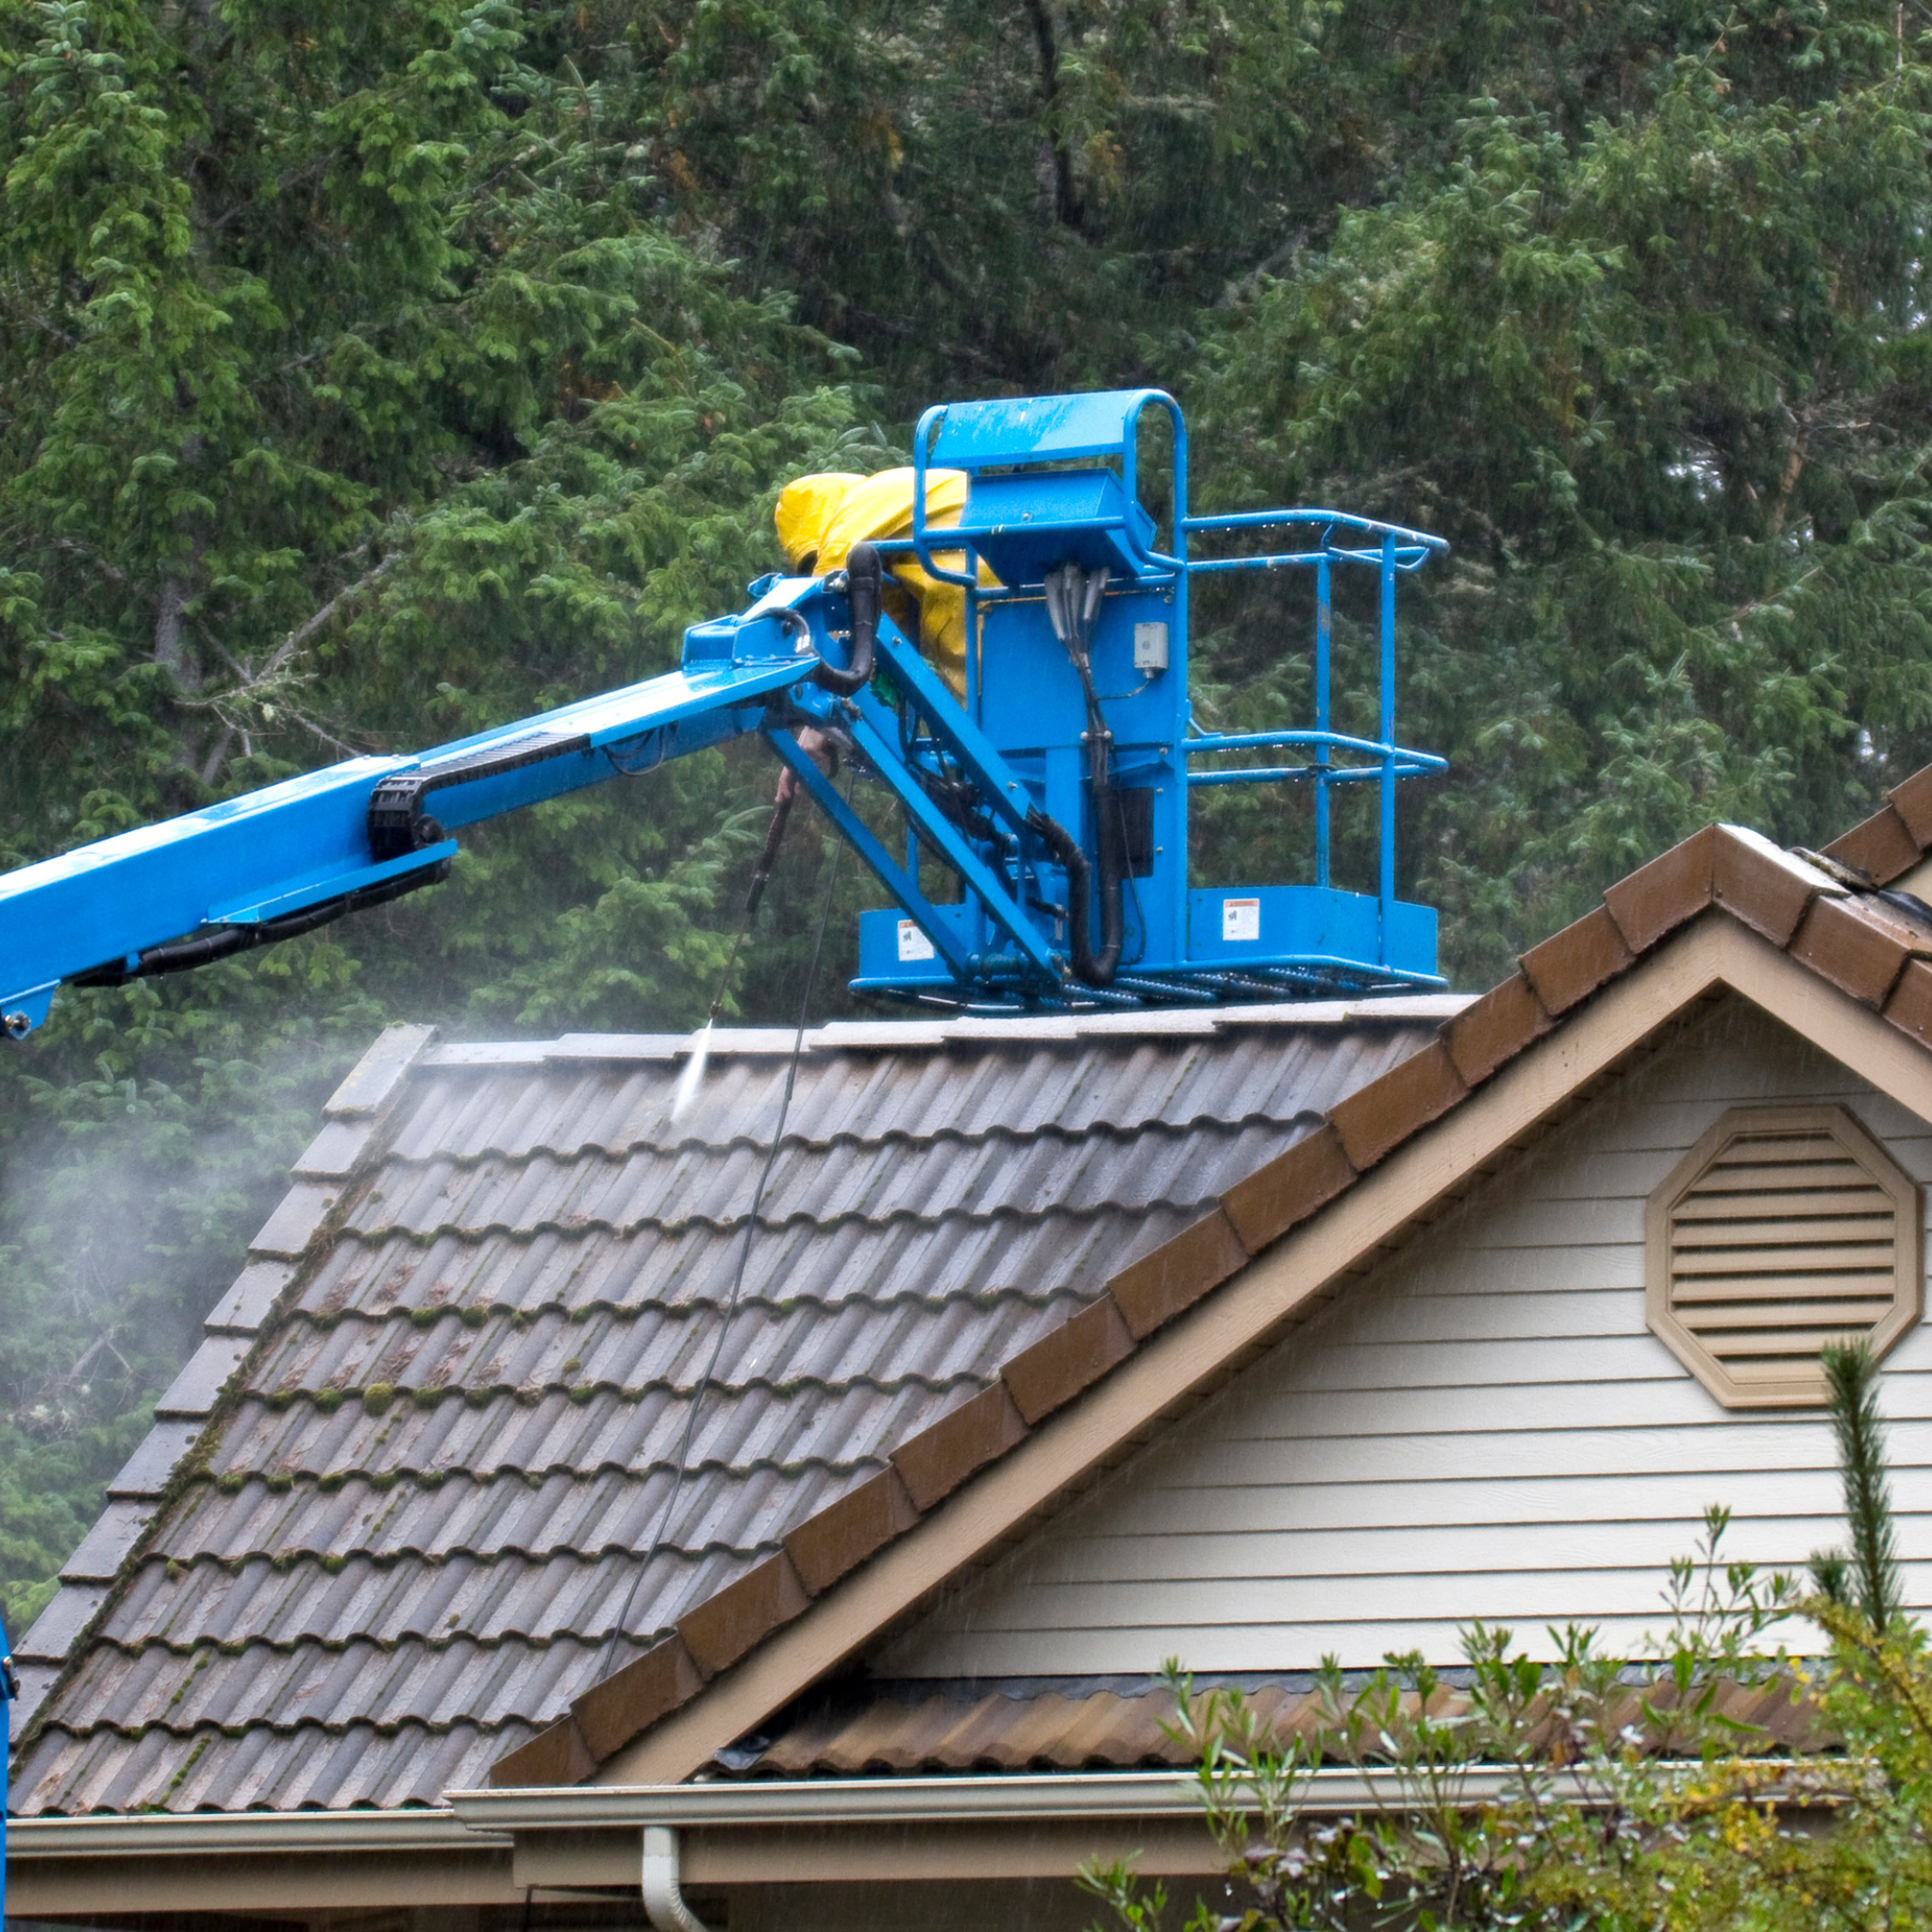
(372,371)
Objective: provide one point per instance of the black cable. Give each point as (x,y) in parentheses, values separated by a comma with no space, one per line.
(704,1388)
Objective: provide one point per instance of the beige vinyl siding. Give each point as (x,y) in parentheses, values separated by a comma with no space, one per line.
(1484,1428)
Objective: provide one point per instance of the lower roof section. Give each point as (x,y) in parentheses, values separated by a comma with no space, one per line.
(1032,1725)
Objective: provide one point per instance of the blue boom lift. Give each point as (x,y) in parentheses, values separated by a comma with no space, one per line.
(1055,790)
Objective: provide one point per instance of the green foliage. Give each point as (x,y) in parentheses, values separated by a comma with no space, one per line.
(1657,379)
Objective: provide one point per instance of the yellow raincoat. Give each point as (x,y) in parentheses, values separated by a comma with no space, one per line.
(820,519)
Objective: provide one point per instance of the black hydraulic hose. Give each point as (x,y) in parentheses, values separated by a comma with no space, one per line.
(1073,601)
(1103,965)
(1098,969)
(863,573)
(1095,969)
(222,942)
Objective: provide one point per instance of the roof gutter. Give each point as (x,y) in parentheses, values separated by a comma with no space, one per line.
(196,1833)
(939,1800)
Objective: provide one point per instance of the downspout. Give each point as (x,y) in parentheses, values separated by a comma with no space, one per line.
(664,1905)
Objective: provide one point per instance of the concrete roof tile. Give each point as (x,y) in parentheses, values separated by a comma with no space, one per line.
(1067,1358)
(1281,1192)
(1495,1029)
(1657,898)
(1376,1120)
(1882,847)
(1572,964)
(742,1614)
(943,1455)
(1173,1276)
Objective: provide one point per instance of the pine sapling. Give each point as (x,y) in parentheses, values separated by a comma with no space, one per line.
(1865,1578)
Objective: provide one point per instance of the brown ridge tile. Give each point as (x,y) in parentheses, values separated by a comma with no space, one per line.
(1846,941)
(843,1534)
(558,1756)
(1912,800)
(610,1714)
(1762,884)
(1882,847)
(1657,898)
(937,1461)
(1376,1119)
(1288,1189)
(1572,964)
(1909,1007)
(1495,1029)
(1177,1274)
(1067,1358)
(722,1628)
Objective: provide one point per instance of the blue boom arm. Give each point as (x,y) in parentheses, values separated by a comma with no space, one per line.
(1053,791)
(282,860)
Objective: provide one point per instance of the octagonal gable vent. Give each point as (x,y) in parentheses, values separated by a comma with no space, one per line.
(1783,1229)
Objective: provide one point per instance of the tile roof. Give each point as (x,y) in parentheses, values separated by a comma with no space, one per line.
(1839,915)
(398,1510)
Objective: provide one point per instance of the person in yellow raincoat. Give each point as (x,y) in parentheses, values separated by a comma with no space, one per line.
(819,518)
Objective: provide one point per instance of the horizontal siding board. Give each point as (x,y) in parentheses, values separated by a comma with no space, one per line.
(1485,1428)
(1352,1557)
(1366,1644)
(1665,1122)
(1485,1272)
(1462,1411)
(1529,1314)
(1713,1450)
(1533,1364)
(1535,1223)
(1238,1509)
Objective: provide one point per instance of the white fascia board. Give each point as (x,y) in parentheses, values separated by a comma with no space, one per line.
(155,1834)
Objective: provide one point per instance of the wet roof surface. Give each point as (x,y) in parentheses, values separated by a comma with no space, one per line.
(423,1520)
(1027,1724)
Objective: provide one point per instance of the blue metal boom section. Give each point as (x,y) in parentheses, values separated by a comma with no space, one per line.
(1053,793)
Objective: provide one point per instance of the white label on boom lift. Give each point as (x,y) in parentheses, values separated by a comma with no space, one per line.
(913,943)
(1241,918)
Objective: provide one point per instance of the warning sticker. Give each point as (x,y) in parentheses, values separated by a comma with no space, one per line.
(1241,918)
(913,943)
